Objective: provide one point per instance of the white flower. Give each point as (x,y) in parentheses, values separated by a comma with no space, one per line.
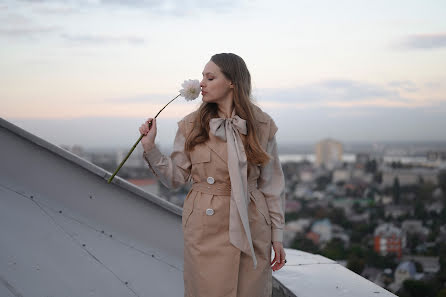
(191,89)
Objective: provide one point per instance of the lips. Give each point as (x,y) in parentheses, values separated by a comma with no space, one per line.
(203,93)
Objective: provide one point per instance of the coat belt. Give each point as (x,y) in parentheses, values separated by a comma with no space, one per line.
(219,188)
(237,234)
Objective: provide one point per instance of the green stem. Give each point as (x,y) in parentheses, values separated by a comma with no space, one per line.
(136,143)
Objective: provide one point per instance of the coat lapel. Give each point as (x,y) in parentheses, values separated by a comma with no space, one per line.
(214,143)
(218,146)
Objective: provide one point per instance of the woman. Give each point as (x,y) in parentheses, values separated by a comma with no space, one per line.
(234,211)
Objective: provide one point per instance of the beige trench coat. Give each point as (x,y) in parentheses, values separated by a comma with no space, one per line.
(213,267)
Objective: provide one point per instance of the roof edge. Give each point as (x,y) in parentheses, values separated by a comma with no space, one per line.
(99,171)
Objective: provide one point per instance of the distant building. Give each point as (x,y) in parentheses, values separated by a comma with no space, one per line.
(430,264)
(384,199)
(324,229)
(339,233)
(306,175)
(356,218)
(396,211)
(314,237)
(389,239)
(414,227)
(405,270)
(328,153)
(298,226)
(405,178)
(436,207)
(436,156)
(341,175)
(362,158)
(408,177)
(442,235)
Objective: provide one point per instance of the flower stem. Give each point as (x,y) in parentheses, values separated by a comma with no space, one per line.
(136,143)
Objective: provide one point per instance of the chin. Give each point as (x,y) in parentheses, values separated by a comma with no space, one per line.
(207,100)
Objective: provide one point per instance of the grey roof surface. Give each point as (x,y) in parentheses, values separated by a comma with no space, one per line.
(65,232)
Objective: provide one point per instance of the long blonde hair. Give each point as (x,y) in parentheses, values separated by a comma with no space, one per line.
(234,69)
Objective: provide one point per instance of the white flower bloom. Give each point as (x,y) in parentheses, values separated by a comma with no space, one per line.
(191,89)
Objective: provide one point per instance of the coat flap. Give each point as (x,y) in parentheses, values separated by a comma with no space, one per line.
(200,154)
(219,146)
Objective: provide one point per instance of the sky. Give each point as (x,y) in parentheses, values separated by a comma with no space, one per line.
(89,72)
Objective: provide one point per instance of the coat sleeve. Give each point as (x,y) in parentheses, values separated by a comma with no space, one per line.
(175,170)
(272,184)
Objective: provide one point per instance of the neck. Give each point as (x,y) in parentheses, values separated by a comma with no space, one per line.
(225,109)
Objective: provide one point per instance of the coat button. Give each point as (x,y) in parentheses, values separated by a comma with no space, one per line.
(210,180)
(209,211)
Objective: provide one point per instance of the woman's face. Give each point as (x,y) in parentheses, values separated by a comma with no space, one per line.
(215,87)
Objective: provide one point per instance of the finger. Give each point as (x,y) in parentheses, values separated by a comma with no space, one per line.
(274,260)
(275,267)
(282,252)
(275,256)
(278,266)
(144,129)
(279,258)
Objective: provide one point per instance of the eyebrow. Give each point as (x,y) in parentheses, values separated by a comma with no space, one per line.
(208,73)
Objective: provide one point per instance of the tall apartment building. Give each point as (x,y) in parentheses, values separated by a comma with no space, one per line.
(328,153)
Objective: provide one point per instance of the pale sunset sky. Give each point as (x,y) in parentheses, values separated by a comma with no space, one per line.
(89,72)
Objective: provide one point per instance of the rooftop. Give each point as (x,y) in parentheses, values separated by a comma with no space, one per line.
(66,232)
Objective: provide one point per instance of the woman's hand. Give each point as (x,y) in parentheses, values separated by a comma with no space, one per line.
(279,256)
(148,140)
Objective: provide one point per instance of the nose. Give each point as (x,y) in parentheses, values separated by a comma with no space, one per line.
(202,83)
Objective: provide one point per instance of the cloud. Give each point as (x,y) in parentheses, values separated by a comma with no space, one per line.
(334,92)
(26,31)
(103,39)
(174,7)
(424,41)
(405,85)
(17,26)
(58,9)
(133,3)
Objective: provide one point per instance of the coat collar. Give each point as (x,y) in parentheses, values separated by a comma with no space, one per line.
(219,146)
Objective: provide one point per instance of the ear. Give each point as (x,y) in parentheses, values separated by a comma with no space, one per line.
(231,85)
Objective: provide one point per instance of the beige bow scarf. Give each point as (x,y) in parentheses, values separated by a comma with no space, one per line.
(228,129)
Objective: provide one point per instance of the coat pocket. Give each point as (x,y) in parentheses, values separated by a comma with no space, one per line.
(261,205)
(188,207)
(186,214)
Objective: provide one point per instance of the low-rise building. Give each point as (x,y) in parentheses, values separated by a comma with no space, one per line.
(409,176)
(324,229)
(405,270)
(389,239)
(430,264)
(396,211)
(414,227)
